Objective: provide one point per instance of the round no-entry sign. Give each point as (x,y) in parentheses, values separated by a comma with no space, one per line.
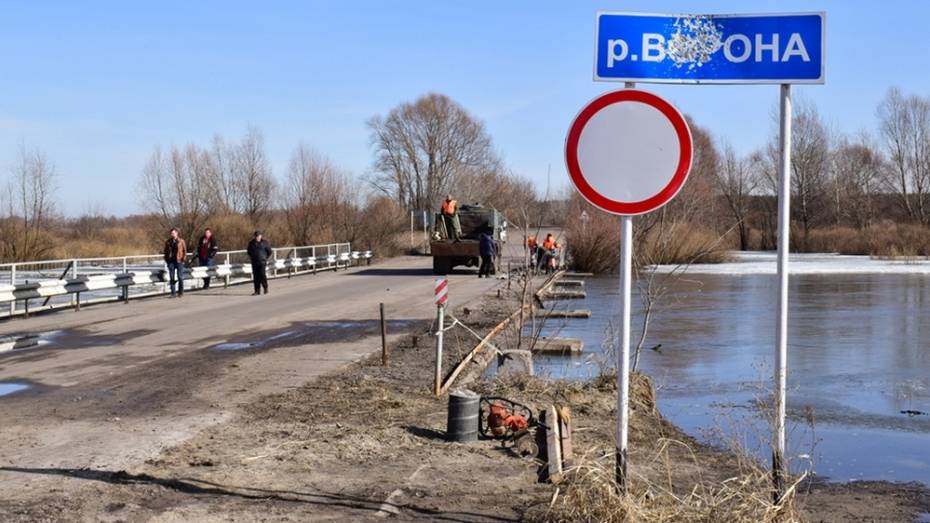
(629,152)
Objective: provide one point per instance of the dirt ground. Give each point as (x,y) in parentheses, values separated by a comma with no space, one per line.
(367,443)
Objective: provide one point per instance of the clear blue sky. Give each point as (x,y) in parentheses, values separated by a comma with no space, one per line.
(97,84)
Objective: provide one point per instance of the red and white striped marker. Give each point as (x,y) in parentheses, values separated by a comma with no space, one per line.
(440,289)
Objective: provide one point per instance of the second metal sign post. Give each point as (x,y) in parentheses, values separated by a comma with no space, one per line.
(628,152)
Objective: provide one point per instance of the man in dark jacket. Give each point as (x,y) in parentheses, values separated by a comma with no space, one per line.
(175,255)
(259,251)
(206,250)
(487,249)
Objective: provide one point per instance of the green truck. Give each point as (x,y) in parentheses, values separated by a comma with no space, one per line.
(448,254)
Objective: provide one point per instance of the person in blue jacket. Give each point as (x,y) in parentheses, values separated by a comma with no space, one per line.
(487,249)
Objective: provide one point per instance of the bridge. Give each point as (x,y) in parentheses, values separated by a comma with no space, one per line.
(112,385)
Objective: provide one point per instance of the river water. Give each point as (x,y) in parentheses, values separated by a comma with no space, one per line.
(859,355)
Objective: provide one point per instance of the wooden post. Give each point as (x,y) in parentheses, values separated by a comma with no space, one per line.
(553,445)
(384,353)
(565,431)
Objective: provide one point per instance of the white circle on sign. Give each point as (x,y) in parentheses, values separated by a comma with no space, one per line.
(629,151)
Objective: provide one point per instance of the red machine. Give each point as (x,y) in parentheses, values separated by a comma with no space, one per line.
(501,417)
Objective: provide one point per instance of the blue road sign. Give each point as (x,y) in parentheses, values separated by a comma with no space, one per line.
(723,49)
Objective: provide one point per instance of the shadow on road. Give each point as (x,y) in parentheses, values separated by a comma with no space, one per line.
(206,488)
(412,271)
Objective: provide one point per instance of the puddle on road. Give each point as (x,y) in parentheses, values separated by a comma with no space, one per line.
(80,338)
(50,337)
(12,388)
(315,332)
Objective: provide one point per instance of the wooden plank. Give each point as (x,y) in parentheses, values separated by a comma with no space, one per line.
(549,283)
(569,283)
(565,431)
(564,313)
(579,274)
(565,295)
(555,344)
(471,355)
(553,445)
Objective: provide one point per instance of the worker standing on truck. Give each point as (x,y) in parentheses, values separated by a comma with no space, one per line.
(450,218)
(487,250)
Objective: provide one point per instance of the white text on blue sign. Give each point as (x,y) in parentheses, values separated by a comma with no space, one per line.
(710,48)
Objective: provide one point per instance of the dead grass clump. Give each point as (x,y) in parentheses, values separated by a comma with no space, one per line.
(642,388)
(589,494)
(676,243)
(592,245)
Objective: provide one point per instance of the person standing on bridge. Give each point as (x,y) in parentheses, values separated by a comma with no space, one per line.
(487,249)
(259,251)
(206,250)
(175,255)
(450,218)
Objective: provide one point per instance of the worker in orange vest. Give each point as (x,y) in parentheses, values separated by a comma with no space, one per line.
(549,243)
(548,257)
(450,218)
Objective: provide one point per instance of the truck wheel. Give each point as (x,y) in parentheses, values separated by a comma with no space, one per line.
(440,265)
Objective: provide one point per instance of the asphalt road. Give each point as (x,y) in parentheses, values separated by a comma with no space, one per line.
(116,384)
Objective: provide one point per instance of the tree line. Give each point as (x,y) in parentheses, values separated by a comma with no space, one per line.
(865,192)
(422,150)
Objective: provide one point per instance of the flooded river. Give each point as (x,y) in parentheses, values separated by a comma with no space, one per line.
(859,355)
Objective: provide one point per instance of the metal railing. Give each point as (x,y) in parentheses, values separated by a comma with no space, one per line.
(50,284)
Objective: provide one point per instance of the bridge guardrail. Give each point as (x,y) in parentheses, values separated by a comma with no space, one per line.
(61,283)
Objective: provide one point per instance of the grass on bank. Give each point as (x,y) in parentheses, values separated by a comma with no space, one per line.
(673,479)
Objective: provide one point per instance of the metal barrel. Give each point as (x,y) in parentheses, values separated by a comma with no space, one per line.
(463,416)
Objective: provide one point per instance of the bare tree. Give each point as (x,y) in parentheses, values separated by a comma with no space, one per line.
(175,189)
(30,207)
(252,175)
(810,154)
(857,171)
(312,192)
(224,196)
(904,124)
(737,180)
(423,148)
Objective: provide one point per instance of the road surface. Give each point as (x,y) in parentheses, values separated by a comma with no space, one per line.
(116,384)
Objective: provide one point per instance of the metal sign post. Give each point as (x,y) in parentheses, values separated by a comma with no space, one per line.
(623,358)
(628,152)
(440,290)
(779,49)
(779,466)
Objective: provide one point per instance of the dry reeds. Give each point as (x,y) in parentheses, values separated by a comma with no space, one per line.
(672,478)
(589,494)
(885,240)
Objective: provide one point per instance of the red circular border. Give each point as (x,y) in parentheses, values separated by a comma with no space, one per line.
(629,208)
